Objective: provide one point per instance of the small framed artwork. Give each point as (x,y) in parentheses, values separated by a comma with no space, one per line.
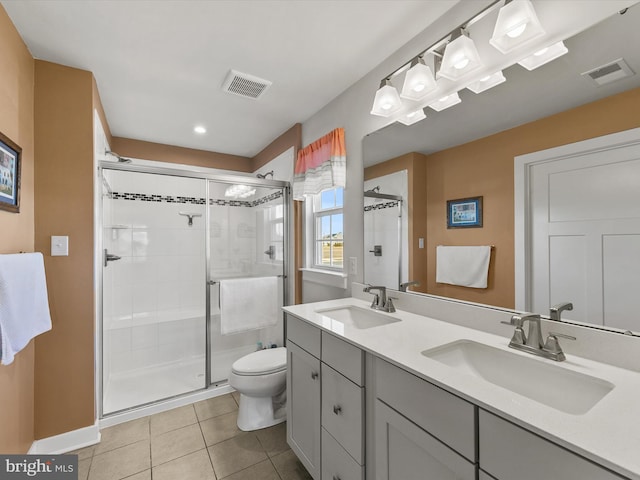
(464,212)
(10,156)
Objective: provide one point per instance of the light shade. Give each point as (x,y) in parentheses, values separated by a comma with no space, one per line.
(460,58)
(239,191)
(487,82)
(446,102)
(517,24)
(413,117)
(418,82)
(387,101)
(544,55)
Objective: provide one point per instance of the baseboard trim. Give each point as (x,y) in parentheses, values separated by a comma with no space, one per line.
(67,442)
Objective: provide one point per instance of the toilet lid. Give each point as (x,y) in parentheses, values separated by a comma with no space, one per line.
(262,362)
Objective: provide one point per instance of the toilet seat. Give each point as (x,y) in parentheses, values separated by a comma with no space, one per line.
(262,362)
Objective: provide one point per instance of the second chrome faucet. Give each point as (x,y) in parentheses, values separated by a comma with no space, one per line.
(532,341)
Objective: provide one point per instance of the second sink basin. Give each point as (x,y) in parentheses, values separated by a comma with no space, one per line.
(357,317)
(554,386)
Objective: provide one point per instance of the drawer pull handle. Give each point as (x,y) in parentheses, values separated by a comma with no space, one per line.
(337,409)
(314,375)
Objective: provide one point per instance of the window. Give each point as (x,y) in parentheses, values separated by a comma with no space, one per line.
(327,231)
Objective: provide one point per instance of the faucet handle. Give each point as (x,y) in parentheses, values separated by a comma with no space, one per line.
(390,307)
(518,338)
(552,346)
(562,335)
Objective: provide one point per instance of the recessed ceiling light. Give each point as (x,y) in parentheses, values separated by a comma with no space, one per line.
(199,129)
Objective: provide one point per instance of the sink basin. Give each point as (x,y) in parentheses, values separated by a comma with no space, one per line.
(357,317)
(554,386)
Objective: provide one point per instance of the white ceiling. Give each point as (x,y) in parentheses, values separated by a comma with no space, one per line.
(160,65)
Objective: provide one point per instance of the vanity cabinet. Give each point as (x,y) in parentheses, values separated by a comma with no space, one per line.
(421,431)
(511,452)
(325,402)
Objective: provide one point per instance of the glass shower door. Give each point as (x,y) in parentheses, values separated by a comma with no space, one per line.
(153,296)
(246,271)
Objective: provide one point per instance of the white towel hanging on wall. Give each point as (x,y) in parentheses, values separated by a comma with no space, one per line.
(248,304)
(464,266)
(24,304)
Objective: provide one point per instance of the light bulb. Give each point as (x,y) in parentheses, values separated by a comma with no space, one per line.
(462,63)
(444,99)
(418,87)
(541,52)
(386,106)
(484,79)
(517,31)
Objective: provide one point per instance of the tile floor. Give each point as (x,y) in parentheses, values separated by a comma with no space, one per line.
(195,442)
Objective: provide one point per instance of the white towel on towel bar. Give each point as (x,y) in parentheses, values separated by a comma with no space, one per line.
(248,304)
(24,304)
(465,266)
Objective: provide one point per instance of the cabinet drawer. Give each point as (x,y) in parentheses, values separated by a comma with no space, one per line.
(336,462)
(343,357)
(443,415)
(343,411)
(510,452)
(405,451)
(304,335)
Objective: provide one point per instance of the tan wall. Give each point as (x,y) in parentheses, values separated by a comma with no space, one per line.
(16,229)
(485,167)
(64,390)
(127,147)
(416,166)
(290,138)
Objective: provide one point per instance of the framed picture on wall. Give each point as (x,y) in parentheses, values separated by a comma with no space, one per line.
(464,212)
(10,154)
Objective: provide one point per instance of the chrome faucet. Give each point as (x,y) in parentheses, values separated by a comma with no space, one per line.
(380,299)
(532,342)
(403,286)
(556,310)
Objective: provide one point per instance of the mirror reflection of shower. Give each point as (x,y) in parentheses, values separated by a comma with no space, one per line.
(264,175)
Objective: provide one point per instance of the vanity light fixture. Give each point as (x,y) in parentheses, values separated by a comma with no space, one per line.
(544,55)
(418,81)
(199,129)
(239,191)
(446,102)
(487,82)
(517,24)
(387,101)
(413,117)
(460,57)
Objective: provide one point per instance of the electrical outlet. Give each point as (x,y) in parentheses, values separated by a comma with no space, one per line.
(353,265)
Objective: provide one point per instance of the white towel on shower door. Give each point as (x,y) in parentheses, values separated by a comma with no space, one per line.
(465,266)
(248,304)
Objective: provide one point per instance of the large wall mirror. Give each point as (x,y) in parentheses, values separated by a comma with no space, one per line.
(468,150)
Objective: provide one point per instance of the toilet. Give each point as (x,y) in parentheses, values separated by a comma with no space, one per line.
(260,377)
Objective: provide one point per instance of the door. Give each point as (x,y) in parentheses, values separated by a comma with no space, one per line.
(585,224)
(405,451)
(303,395)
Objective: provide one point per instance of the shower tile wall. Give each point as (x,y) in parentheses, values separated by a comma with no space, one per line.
(155,295)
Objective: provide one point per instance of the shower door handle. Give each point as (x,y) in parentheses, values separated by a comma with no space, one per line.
(109,257)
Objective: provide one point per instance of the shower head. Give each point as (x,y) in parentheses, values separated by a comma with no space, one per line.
(373,190)
(264,175)
(120,159)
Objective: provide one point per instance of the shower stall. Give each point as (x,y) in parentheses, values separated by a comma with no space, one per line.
(183,254)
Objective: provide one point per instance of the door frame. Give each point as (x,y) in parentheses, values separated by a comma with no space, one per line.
(523,165)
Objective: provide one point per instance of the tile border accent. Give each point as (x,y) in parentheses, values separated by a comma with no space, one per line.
(143,197)
(380,206)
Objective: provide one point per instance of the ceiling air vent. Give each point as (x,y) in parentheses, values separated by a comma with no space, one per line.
(245,85)
(608,73)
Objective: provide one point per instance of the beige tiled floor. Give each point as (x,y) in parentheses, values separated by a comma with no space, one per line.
(196,442)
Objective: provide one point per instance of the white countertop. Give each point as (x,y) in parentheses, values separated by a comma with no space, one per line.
(608,434)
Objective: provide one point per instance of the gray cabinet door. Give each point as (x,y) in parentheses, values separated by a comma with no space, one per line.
(405,451)
(303,407)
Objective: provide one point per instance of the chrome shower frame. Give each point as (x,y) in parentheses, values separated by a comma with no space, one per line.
(207,177)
